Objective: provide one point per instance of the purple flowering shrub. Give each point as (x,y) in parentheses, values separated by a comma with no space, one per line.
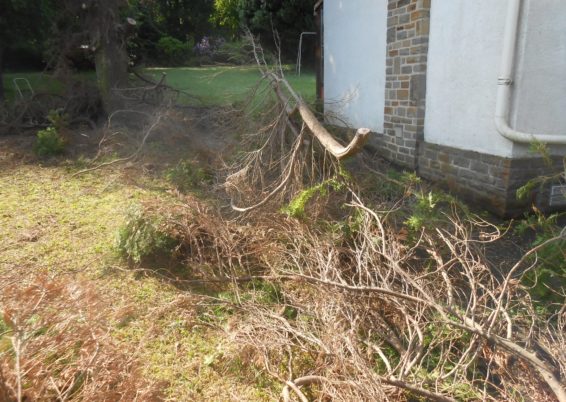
(208,46)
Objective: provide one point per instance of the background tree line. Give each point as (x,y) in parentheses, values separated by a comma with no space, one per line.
(34,33)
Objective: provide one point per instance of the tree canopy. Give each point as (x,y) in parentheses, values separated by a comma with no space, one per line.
(180,19)
(67,30)
(24,22)
(288,17)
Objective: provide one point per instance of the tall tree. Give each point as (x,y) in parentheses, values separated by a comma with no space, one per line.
(186,18)
(109,41)
(227,14)
(180,19)
(102,26)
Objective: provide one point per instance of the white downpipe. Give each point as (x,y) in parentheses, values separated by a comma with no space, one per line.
(505,81)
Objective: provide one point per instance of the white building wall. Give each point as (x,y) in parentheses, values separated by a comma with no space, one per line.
(464,57)
(540,101)
(354,61)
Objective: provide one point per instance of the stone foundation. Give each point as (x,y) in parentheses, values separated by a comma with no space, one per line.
(486,180)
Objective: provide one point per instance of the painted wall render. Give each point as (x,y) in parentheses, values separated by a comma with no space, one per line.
(354,61)
(540,85)
(465,46)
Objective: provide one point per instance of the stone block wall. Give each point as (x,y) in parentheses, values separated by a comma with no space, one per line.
(408,25)
(486,180)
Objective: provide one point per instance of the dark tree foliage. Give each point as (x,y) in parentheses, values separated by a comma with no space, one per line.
(142,46)
(23,29)
(288,17)
(184,20)
(68,30)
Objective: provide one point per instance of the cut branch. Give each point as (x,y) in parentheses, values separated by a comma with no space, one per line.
(317,129)
(326,139)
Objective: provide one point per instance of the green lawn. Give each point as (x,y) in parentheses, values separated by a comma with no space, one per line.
(212,85)
(223,85)
(39,81)
(61,226)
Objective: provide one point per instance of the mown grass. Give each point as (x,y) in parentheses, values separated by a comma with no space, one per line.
(225,85)
(54,223)
(58,224)
(40,82)
(218,85)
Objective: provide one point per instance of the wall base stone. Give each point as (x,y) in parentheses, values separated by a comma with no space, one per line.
(487,180)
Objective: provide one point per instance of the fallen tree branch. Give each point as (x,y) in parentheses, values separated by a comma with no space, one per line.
(315,379)
(290,385)
(432,396)
(467,324)
(317,129)
(161,84)
(285,180)
(292,111)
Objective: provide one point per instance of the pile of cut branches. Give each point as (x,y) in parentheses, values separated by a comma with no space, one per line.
(385,304)
(212,248)
(381,316)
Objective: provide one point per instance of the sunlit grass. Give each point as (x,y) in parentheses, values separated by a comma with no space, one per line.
(225,85)
(219,85)
(55,223)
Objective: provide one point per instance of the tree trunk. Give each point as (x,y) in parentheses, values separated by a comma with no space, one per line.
(2,96)
(111,62)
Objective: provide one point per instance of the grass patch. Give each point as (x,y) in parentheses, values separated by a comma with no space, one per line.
(62,225)
(218,85)
(39,81)
(58,224)
(226,85)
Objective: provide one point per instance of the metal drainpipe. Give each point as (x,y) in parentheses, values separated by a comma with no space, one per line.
(505,81)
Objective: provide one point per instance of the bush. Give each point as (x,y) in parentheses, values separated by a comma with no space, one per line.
(173,51)
(58,120)
(547,282)
(141,237)
(187,176)
(49,142)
